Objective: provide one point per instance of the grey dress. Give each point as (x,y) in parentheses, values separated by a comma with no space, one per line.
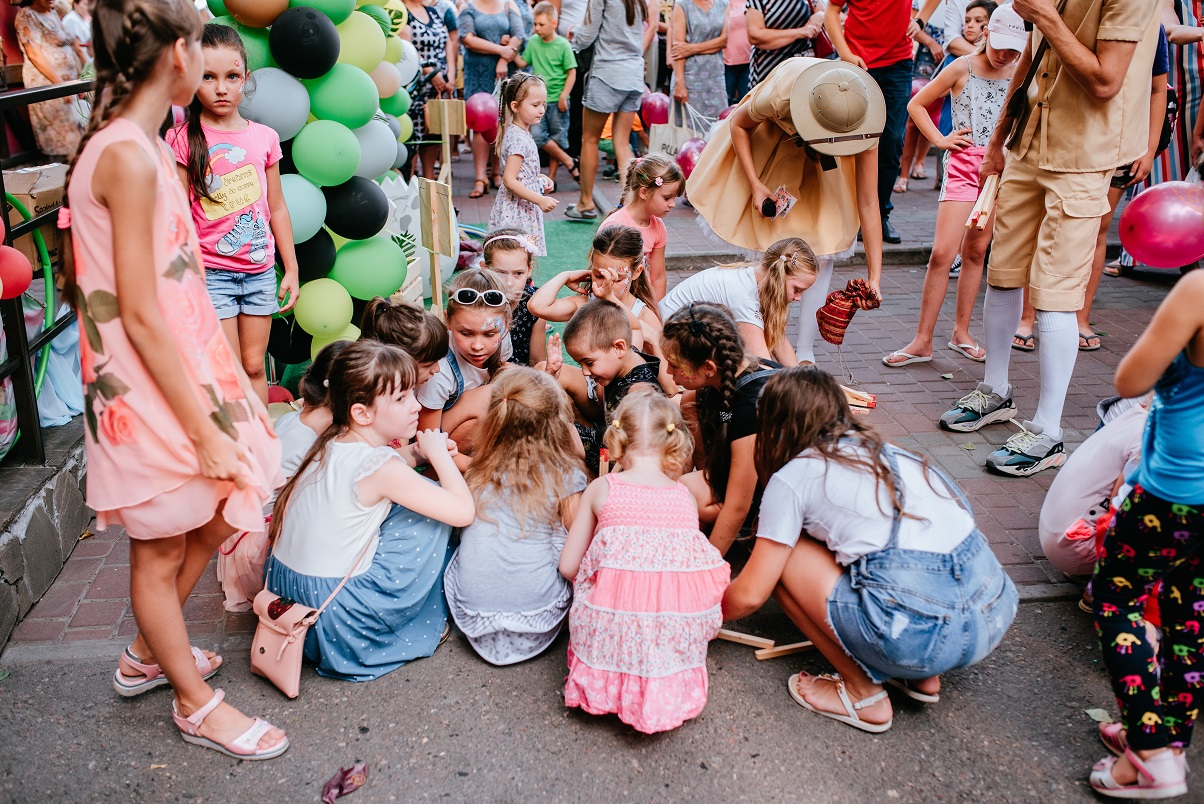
(704,74)
(480,69)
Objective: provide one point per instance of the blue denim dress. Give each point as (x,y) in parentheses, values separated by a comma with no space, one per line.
(913,614)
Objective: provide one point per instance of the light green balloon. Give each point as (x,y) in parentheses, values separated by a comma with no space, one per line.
(363,42)
(350,333)
(345,95)
(337,10)
(255,40)
(407,128)
(393,50)
(396,104)
(324,308)
(370,268)
(217,8)
(326,153)
(306,206)
(381,16)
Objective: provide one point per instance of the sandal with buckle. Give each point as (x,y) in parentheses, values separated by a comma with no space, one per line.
(1160,776)
(244,746)
(134,677)
(851,707)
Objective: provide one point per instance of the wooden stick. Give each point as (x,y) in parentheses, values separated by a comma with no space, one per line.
(784,650)
(859,398)
(745,639)
(992,193)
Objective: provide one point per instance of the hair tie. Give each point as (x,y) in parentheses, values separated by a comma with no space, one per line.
(669,427)
(325,383)
(64,218)
(696,327)
(615,424)
(725,416)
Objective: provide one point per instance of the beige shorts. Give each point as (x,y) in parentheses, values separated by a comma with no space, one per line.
(1046,226)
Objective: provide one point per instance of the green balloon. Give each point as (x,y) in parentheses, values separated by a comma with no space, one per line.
(393,50)
(217,8)
(337,10)
(306,206)
(396,104)
(326,153)
(324,308)
(363,42)
(350,333)
(255,40)
(381,17)
(370,268)
(407,127)
(345,95)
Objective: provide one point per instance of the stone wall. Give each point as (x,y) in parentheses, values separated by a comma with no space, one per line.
(39,539)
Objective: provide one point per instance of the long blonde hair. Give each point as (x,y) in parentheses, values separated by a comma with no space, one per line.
(646,419)
(529,462)
(790,256)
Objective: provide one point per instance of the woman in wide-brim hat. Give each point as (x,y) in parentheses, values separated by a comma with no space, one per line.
(812,126)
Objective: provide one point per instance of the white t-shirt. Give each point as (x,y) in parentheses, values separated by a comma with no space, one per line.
(954,20)
(850,511)
(572,14)
(74,24)
(295,440)
(1091,472)
(434,393)
(734,287)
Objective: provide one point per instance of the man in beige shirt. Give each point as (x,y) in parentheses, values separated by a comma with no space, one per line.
(1088,106)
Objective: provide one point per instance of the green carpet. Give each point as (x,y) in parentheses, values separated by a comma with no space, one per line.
(568,244)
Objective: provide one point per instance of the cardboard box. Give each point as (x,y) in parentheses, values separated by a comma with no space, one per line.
(39,189)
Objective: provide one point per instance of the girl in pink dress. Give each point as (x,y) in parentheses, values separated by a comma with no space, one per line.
(180,450)
(647,582)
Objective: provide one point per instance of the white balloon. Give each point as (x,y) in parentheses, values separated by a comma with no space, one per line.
(306,205)
(409,63)
(377,148)
(277,100)
(403,153)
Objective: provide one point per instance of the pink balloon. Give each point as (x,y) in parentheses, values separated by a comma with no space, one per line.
(490,134)
(480,112)
(1164,226)
(655,109)
(917,84)
(726,112)
(688,153)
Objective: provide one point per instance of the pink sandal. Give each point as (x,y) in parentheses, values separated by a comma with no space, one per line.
(245,746)
(148,676)
(1160,776)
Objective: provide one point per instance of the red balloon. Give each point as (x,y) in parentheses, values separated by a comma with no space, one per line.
(480,112)
(688,153)
(917,84)
(16,273)
(278,393)
(490,134)
(655,109)
(1164,226)
(726,112)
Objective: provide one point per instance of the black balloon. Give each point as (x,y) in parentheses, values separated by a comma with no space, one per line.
(286,158)
(356,209)
(315,257)
(357,307)
(287,342)
(304,42)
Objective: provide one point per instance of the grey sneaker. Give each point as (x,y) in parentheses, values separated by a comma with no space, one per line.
(1026,453)
(956,268)
(977,409)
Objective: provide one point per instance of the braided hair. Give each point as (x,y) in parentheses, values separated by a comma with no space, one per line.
(514,90)
(692,336)
(129,40)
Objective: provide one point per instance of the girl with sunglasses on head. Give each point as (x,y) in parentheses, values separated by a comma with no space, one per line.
(455,399)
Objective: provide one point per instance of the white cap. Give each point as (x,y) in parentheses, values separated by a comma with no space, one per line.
(1006,31)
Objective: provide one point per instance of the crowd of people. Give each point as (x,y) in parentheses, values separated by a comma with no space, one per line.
(688,462)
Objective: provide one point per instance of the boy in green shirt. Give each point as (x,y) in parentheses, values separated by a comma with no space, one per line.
(550,56)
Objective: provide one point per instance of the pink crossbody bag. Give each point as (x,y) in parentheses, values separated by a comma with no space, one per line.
(279,643)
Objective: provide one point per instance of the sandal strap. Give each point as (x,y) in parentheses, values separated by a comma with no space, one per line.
(128,661)
(195,720)
(871,700)
(248,741)
(203,663)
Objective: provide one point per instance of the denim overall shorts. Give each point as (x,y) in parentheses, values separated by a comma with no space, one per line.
(912,614)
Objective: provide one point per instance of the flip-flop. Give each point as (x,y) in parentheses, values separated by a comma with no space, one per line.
(903,686)
(1023,343)
(907,361)
(572,213)
(966,350)
(575,170)
(474,193)
(1085,344)
(900,185)
(919,175)
(851,707)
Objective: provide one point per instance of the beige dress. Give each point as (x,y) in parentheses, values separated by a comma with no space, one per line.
(826,213)
(57,124)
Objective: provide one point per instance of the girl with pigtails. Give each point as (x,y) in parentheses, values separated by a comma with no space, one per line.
(758,296)
(705,356)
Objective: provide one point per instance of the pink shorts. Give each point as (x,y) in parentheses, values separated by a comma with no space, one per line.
(961,174)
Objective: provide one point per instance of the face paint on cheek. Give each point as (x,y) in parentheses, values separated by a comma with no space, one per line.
(495,323)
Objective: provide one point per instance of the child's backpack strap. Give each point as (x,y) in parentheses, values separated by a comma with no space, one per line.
(455,369)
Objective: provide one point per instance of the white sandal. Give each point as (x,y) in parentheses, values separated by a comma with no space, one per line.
(851,707)
(1160,776)
(244,746)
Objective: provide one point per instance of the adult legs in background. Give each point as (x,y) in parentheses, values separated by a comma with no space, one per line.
(621,131)
(1088,340)
(584,59)
(895,82)
(429,155)
(813,298)
(736,78)
(592,124)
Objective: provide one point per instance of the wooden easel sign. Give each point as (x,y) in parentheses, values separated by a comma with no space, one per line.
(446,118)
(435,214)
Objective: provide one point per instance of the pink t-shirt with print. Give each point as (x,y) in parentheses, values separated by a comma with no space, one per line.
(234,229)
(654,233)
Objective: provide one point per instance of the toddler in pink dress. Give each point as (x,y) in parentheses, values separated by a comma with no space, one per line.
(647,583)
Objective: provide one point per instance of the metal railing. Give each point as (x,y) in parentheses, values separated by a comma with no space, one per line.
(29,447)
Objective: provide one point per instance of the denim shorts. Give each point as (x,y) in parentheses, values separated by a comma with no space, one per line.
(913,614)
(235,292)
(554,126)
(605,99)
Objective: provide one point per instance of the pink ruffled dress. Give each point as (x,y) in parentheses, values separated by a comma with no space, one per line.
(646,604)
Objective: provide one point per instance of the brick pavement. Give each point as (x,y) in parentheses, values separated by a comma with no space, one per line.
(89,599)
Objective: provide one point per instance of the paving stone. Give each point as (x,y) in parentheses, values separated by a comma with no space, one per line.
(39,630)
(111,583)
(99,612)
(86,634)
(61,600)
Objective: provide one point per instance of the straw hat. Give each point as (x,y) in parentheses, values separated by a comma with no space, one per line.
(837,108)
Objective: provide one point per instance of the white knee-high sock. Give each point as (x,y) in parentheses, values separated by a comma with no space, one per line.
(1000,316)
(1059,349)
(813,299)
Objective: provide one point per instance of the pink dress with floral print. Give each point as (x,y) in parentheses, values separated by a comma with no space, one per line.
(143,470)
(646,604)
